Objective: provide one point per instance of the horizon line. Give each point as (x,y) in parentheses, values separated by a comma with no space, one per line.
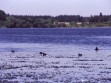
(56,15)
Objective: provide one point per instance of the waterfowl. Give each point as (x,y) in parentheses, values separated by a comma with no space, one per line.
(79,55)
(42,54)
(96,48)
(12,51)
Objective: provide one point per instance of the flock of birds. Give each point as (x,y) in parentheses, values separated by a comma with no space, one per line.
(41,53)
(44,54)
(96,49)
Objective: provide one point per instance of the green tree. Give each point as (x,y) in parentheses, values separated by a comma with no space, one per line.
(2,15)
(2,18)
(10,22)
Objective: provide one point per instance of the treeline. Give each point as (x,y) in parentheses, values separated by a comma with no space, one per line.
(25,21)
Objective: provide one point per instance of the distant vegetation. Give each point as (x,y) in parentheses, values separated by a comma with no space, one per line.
(20,21)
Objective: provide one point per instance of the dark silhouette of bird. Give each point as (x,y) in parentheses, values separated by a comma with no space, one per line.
(96,48)
(42,54)
(79,55)
(12,51)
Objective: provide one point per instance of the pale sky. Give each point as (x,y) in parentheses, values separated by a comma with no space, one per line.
(56,7)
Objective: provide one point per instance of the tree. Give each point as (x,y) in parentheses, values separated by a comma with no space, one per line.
(101,14)
(2,15)
(10,22)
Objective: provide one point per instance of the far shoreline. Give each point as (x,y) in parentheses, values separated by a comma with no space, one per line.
(55,27)
(60,21)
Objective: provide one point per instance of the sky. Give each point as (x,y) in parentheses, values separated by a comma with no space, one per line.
(56,7)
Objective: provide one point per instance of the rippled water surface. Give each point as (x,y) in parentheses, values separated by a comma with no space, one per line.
(62,63)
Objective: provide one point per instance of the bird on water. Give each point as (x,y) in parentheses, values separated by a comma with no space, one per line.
(79,55)
(96,48)
(43,54)
(12,51)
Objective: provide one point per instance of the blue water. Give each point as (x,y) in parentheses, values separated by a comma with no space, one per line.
(56,42)
(54,38)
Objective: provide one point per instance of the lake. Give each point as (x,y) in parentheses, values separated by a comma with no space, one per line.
(62,63)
